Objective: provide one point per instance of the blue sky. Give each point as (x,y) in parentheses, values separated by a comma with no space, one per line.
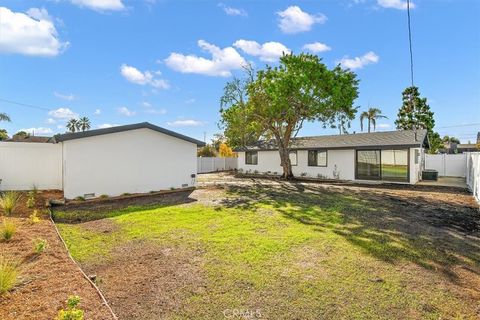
(166,62)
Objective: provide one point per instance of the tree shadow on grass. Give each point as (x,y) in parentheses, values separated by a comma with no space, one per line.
(89,211)
(433,234)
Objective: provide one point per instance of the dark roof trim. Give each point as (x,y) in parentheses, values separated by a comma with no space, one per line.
(376,147)
(135,126)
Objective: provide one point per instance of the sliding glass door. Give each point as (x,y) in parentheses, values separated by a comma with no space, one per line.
(368,164)
(387,164)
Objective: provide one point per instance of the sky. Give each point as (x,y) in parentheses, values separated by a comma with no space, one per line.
(166,62)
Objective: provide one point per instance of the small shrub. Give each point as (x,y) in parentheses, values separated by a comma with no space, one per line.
(39,245)
(255,171)
(172,188)
(8,274)
(34,217)
(8,201)
(31,199)
(8,229)
(126,194)
(34,190)
(72,312)
(80,198)
(104,196)
(321,176)
(303,174)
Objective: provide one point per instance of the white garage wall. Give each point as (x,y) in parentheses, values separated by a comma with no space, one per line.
(135,161)
(343,161)
(24,165)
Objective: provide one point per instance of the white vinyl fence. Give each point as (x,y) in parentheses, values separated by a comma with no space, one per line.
(473,173)
(213,164)
(447,165)
(25,165)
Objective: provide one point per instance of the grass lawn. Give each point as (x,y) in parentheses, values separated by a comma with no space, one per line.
(282,253)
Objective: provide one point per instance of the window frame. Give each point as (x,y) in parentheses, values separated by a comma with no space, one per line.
(316,158)
(380,163)
(246,158)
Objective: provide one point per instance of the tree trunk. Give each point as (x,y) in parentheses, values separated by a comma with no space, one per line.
(285,162)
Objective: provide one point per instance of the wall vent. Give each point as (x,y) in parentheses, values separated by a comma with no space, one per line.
(185,185)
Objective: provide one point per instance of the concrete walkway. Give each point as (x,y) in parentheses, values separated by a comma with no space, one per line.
(456,182)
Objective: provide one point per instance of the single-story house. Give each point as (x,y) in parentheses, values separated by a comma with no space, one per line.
(393,156)
(135,158)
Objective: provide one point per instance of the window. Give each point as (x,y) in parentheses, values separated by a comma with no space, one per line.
(389,165)
(395,165)
(293,158)
(317,158)
(368,164)
(251,157)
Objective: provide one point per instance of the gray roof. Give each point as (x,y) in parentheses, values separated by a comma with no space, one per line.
(141,125)
(401,138)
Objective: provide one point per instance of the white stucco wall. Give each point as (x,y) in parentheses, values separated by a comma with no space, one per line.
(344,160)
(415,168)
(25,165)
(135,161)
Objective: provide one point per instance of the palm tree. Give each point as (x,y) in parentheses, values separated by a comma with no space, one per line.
(83,124)
(4,117)
(72,125)
(372,115)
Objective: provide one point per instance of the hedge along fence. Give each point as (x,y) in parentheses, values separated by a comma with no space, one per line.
(213,164)
(24,165)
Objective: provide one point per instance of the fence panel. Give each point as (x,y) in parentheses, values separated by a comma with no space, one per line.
(473,173)
(213,164)
(24,165)
(448,165)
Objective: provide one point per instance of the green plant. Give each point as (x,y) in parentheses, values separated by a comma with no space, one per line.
(71,312)
(8,201)
(31,199)
(8,229)
(104,196)
(39,245)
(125,194)
(34,216)
(8,274)
(80,198)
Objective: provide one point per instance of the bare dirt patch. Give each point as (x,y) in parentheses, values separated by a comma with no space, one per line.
(145,281)
(46,279)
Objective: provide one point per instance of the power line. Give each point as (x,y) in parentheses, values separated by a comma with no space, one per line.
(461,125)
(25,104)
(410,41)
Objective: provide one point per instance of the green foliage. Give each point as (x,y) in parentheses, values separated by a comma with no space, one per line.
(8,274)
(39,245)
(83,124)
(22,134)
(282,98)
(206,151)
(3,135)
(72,125)
(450,139)
(4,117)
(72,312)
(8,229)
(372,115)
(31,199)
(104,196)
(8,201)
(80,198)
(34,217)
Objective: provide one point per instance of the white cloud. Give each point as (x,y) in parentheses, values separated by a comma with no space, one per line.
(31,34)
(63,113)
(134,75)
(124,111)
(383,125)
(222,63)
(106,125)
(269,51)
(395,4)
(61,127)
(68,97)
(155,111)
(38,131)
(294,20)
(100,5)
(51,121)
(316,47)
(233,11)
(359,62)
(185,123)
(97,112)
(146,104)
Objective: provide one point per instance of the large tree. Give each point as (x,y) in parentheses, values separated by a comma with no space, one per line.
(4,117)
(83,124)
(415,114)
(3,135)
(282,98)
(372,115)
(72,125)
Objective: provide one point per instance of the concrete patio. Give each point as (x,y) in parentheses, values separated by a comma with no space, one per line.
(457,182)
